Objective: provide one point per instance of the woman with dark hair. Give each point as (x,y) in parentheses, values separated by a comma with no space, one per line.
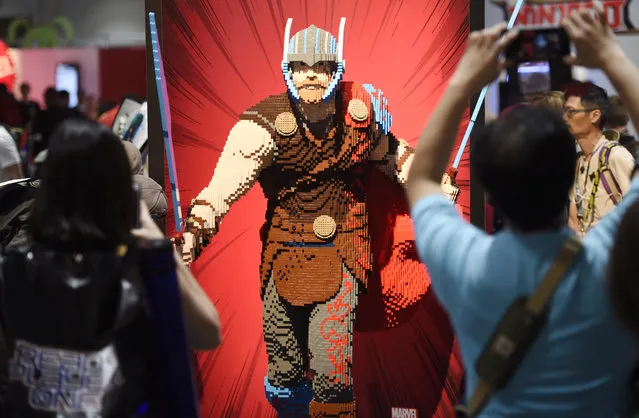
(86,199)
(78,287)
(86,202)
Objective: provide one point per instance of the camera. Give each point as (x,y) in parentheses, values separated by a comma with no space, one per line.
(537,64)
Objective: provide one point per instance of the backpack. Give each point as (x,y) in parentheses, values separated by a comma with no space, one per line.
(605,174)
(72,346)
(36,272)
(604,177)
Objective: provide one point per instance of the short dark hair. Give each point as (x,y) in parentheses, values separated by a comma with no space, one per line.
(617,114)
(592,96)
(86,199)
(50,96)
(64,94)
(622,270)
(526,162)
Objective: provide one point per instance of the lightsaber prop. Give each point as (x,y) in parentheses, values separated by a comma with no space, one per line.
(165,115)
(482,96)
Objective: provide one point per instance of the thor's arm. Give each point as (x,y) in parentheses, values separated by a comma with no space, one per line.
(394,157)
(248,150)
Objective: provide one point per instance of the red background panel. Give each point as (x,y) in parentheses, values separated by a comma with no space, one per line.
(122,71)
(221,57)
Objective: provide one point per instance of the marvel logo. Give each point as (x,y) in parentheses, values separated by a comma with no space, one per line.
(403,413)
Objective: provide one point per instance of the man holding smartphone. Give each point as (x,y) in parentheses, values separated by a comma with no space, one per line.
(580,364)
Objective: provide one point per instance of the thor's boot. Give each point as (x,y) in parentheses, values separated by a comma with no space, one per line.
(291,402)
(332,410)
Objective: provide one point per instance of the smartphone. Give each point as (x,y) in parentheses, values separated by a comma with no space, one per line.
(534,45)
(137,196)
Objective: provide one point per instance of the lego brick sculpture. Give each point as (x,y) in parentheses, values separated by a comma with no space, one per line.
(311,149)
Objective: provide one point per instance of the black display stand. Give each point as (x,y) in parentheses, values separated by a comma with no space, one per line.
(155,141)
(477,195)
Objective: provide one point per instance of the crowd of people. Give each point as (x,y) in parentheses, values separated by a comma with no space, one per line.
(26,130)
(560,169)
(25,127)
(605,149)
(78,192)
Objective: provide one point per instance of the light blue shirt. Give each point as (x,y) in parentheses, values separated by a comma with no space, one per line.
(581,363)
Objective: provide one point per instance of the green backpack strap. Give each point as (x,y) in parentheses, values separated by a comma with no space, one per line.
(606,176)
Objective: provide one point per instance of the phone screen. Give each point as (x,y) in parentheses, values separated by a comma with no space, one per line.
(539,45)
(534,77)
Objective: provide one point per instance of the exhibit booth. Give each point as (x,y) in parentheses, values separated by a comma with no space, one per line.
(106,73)
(223,64)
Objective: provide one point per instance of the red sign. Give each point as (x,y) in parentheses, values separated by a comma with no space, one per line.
(549,13)
(7,69)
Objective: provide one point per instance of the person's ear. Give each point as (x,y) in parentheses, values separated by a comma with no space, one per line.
(595,117)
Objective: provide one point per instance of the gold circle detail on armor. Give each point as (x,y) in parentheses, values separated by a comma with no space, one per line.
(324,227)
(358,110)
(285,124)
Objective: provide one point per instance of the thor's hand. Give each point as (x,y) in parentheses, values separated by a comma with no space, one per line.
(449,186)
(201,226)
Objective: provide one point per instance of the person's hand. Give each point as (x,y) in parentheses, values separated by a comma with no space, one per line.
(148,229)
(593,38)
(194,239)
(481,64)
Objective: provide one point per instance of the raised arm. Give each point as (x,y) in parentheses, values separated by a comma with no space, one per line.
(249,149)
(479,66)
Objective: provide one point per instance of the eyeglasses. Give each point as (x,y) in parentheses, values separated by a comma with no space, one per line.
(572,112)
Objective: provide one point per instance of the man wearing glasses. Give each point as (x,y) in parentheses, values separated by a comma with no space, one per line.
(603,167)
